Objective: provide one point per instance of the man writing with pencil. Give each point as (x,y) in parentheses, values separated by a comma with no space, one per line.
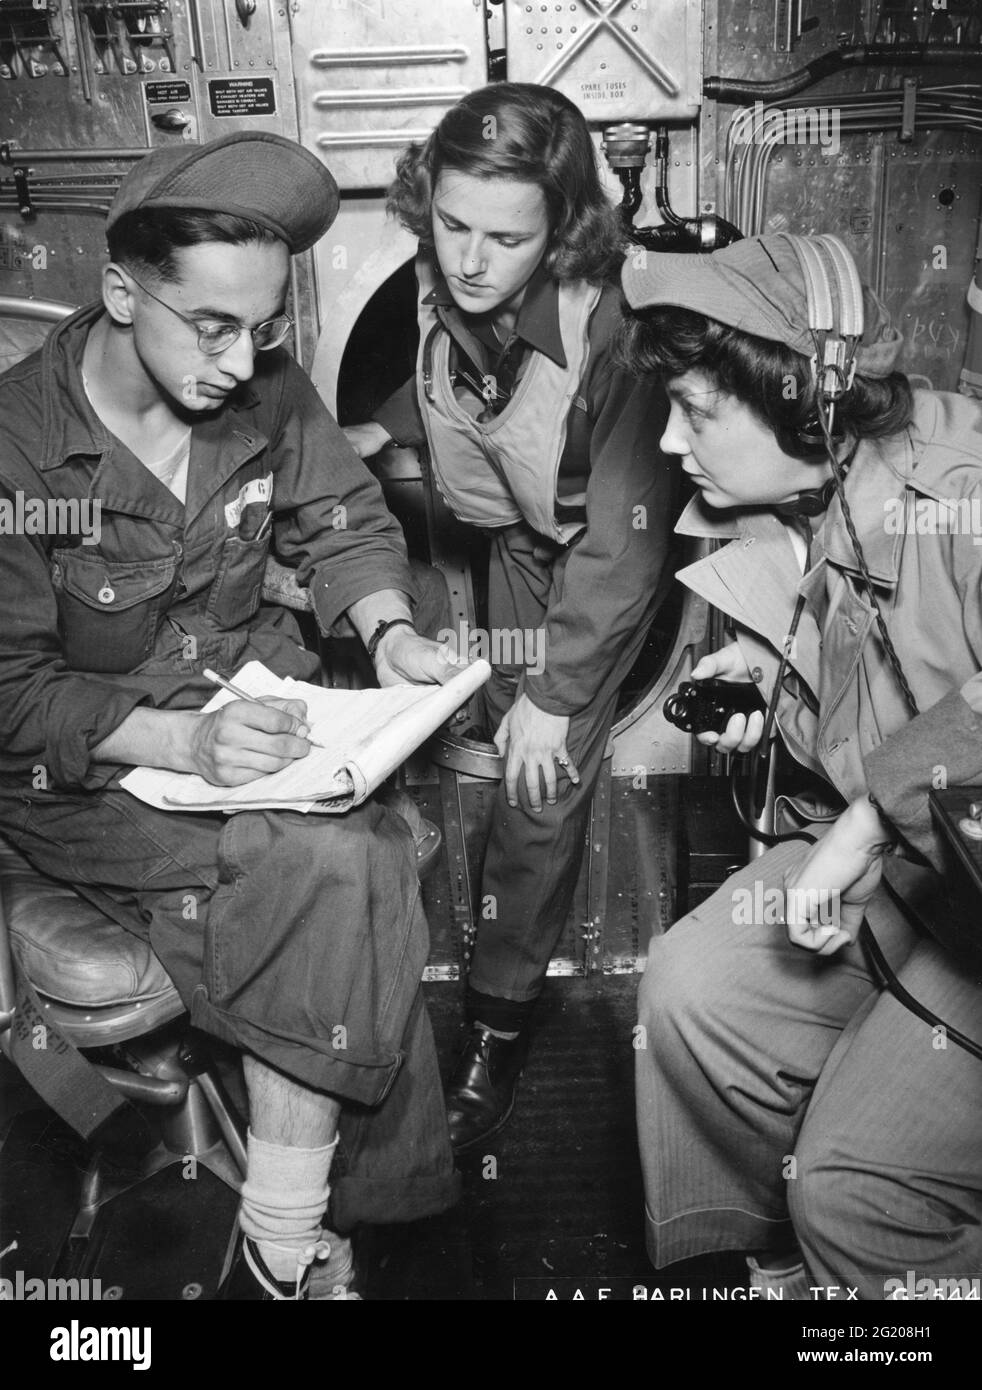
(171,404)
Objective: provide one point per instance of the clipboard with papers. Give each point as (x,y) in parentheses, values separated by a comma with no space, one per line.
(362,736)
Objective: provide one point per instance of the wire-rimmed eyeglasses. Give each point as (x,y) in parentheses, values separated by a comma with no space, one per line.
(215,338)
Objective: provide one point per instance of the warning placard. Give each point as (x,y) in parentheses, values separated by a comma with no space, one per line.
(169,92)
(241,96)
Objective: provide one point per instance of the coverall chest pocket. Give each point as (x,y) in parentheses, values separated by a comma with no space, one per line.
(109,611)
(238,581)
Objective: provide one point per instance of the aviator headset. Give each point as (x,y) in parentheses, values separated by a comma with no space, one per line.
(824,260)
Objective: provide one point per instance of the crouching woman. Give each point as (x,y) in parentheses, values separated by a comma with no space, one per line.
(788,1106)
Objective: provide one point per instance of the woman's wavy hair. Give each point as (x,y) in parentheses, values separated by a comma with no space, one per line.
(517,130)
(769,377)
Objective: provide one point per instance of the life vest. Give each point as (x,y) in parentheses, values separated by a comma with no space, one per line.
(495,472)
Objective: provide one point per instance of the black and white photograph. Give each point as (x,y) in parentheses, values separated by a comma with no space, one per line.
(491,668)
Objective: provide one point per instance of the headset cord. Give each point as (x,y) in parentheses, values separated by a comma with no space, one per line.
(839,476)
(765,836)
(889,979)
(760,756)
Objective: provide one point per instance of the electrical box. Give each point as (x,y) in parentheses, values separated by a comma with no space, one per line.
(618,60)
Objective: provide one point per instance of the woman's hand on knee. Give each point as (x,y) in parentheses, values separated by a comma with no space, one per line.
(533,740)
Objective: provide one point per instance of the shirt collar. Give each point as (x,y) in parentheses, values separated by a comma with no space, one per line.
(538,317)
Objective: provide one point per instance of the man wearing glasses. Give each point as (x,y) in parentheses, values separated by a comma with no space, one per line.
(298,939)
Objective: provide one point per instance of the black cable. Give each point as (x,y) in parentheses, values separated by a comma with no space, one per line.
(881,966)
(766,837)
(824,419)
(728,89)
(761,755)
(903,996)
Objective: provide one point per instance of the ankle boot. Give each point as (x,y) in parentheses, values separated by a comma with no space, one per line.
(481,1093)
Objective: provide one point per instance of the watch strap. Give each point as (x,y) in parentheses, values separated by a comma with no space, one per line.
(380,631)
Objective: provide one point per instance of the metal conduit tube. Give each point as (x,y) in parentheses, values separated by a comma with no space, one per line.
(752,205)
(854,56)
(10,205)
(746,207)
(11,155)
(942,107)
(736,200)
(933,99)
(15,306)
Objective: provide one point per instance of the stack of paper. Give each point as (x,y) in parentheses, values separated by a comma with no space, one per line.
(364,736)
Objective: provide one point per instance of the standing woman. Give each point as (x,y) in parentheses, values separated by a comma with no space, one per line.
(540,440)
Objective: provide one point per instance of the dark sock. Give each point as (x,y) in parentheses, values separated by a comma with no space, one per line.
(500,1015)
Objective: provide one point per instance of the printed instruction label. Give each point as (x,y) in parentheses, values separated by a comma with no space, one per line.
(241,96)
(607,89)
(169,92)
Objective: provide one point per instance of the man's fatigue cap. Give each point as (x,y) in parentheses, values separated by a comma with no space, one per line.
(757,286)
(254,174)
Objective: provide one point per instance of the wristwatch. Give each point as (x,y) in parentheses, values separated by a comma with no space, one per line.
(383,627)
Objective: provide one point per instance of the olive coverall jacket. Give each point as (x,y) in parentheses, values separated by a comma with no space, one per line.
(307,940)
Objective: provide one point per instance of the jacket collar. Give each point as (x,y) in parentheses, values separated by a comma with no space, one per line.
(537,323)
(70,426)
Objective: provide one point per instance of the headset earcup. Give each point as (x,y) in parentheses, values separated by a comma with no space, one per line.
(810,439)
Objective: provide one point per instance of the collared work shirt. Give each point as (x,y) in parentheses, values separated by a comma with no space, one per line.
(90,631)
(611,455)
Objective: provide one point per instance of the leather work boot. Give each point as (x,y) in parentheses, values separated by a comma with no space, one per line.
(481,1093)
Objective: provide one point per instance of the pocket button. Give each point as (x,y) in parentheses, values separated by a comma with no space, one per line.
(106,594)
